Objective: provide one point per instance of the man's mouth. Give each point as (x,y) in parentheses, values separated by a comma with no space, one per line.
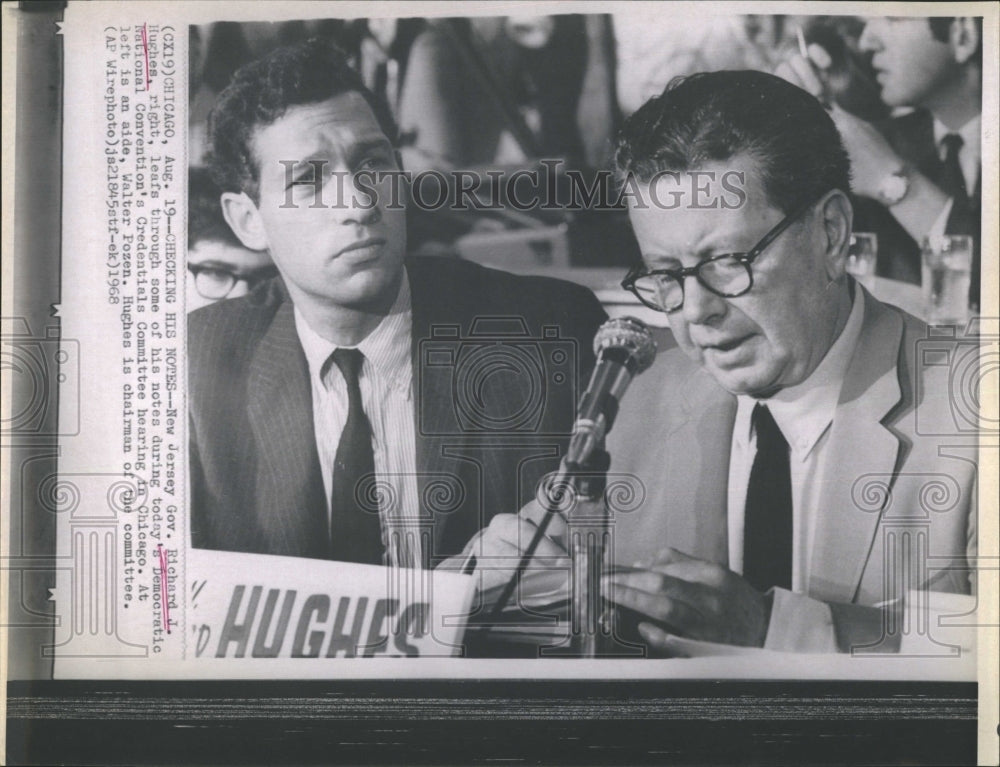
(725,346)
(363,249)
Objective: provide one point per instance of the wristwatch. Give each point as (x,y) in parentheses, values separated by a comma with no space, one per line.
(893,188)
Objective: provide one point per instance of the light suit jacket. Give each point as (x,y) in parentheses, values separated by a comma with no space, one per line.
(901,471)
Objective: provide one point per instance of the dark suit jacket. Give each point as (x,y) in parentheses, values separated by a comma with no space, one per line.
(912,136)
(499,361)
(903,470)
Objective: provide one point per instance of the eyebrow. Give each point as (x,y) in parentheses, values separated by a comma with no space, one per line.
(213,264)
(232,268)
(657,258)
(362,147)
(702,254)
(369,144)
(306,163)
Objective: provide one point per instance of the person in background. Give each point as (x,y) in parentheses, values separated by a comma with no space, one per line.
(507,91)
(925,165)
(218,264)
(651,53)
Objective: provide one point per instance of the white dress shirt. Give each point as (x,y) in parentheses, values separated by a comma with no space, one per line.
(804,413)
(386,383)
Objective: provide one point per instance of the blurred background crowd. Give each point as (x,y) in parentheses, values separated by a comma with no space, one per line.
(506,92)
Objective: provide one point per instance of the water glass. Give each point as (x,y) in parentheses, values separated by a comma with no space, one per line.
(947,263)
(861,258)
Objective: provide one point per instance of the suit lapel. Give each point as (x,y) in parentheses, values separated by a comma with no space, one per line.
(707,427)
(861,458)
(684,478)
(913,137)
(435,428)
(290,499)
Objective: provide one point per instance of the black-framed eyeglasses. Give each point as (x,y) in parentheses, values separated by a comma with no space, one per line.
(215,282)
(728,275)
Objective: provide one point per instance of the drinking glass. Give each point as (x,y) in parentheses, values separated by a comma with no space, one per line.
(861,258)
(947,263)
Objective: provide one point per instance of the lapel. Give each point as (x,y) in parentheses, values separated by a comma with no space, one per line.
(438,442)
(707,430)
(683,472)
(912,136)
(862,456)
(290,498)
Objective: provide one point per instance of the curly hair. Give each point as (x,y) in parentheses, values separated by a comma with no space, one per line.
(205,220)
(713,116)
(262,91)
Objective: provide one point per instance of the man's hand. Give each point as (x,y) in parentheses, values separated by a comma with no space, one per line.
(499,547)
(872,157)
(691,598)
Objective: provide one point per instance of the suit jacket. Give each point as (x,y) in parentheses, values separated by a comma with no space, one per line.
(255,481)
(900,470)
(912,136)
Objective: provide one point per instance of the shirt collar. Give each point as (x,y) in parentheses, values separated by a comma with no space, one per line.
(386,348)
(970,133)
(804,411)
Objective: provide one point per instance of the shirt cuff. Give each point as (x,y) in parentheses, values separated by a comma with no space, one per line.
(800,624)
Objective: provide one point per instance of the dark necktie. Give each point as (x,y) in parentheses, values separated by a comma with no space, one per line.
(355,529)
(952,178)
(767,536)
(964,217)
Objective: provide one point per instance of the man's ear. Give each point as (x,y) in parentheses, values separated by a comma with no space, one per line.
(964,38)
(244,219)
(838,220)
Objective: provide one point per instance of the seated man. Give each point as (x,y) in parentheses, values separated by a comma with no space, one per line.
(218,266)
(361,406)
(791,482)
(782,442)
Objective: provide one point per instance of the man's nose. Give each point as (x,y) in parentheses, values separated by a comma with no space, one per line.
(701,305)
(358,203)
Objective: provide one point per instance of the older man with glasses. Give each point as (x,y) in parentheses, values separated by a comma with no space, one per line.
(783,450)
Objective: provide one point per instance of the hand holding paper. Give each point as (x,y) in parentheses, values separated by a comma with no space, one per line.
(692,598)
(499,547)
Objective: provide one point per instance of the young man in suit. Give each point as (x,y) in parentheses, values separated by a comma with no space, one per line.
(924,166)
(791,480)
(362,406)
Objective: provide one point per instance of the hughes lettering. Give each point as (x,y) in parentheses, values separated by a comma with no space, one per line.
(358,626)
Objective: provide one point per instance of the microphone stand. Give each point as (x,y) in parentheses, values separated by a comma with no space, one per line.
(624,348)
(585,482)
(589,538)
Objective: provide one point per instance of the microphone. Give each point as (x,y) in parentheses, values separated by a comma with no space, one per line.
(624,348)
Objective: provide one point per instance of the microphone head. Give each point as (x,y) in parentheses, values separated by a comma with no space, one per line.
(628,336)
